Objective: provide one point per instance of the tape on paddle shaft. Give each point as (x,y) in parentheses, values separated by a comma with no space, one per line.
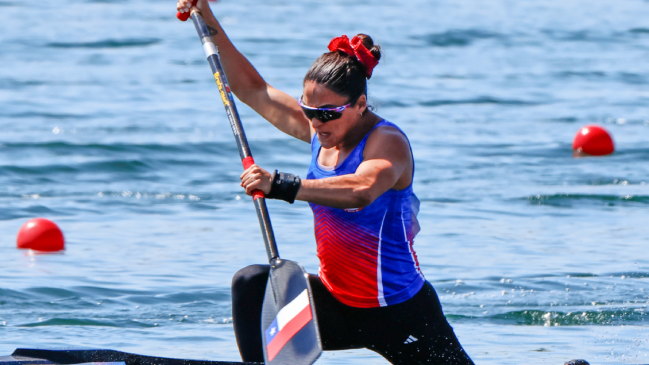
(247,162)
(184,16)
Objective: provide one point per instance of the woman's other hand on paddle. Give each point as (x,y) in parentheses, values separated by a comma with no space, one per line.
(256,178)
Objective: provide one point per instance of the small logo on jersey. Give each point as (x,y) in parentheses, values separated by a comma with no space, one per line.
(411,339)
(353,210)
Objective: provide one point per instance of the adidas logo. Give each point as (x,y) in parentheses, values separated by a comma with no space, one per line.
(410,339)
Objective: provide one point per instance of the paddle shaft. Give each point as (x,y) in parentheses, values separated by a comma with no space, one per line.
(237,128)
(287,280)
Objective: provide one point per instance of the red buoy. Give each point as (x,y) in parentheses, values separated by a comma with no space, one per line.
(40,234)
(593,140)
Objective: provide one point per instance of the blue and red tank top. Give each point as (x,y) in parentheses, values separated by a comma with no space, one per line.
(366,255)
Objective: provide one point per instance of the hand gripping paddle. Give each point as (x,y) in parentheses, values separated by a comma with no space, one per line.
(288,324)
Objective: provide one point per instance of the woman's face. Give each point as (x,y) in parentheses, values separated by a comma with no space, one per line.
(333,132)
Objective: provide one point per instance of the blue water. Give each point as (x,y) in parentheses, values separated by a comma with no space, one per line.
(110,125)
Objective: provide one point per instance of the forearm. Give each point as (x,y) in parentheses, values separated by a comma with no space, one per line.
(344,192)
(242,77)
(277,107)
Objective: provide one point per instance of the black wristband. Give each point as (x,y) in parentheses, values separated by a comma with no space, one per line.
(284,187)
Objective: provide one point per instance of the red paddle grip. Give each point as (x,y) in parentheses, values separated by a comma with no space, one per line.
(184,16)
(247,162)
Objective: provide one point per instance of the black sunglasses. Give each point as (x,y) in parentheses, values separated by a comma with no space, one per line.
(323,114)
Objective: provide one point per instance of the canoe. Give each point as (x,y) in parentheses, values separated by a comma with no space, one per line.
(23,356)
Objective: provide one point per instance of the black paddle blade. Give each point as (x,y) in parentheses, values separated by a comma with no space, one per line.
(288,322)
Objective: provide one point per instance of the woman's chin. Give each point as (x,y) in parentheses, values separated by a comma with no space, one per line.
(325,140)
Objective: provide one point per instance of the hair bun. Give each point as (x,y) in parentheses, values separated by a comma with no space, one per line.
(374,49)
(357,49)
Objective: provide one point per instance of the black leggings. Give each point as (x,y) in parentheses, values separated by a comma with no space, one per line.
(411,332)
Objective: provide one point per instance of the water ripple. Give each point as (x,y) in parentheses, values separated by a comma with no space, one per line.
(479,100)
(108,43)
(457,37)
(570,200)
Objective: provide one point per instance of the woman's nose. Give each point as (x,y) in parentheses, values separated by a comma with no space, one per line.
(315,122)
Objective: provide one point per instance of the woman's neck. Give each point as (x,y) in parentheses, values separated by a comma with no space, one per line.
(356,134)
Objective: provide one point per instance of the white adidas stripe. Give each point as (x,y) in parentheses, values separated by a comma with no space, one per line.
(411,339)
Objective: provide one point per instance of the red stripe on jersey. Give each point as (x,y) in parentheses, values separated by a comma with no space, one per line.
(348,259)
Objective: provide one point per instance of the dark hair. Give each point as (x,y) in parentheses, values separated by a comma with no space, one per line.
(342,73)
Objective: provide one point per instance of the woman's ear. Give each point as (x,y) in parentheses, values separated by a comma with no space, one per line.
(362,104)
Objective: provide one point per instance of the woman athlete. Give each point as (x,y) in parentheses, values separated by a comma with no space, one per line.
(370,292)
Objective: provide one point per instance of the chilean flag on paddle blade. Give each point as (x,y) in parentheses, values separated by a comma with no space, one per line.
(287,323)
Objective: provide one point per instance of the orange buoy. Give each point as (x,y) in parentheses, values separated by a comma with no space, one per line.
(40,234)
(593,140)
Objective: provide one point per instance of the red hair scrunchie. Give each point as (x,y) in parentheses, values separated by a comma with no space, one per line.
(355,48)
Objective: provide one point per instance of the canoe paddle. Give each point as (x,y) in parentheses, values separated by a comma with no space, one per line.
(288,323)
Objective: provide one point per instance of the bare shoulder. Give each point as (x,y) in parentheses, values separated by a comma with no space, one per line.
(387,141)
(387,146)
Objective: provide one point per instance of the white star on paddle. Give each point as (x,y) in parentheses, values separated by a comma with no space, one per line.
(273,330)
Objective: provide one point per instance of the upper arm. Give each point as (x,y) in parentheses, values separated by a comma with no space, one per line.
(387,161)
(281,110)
